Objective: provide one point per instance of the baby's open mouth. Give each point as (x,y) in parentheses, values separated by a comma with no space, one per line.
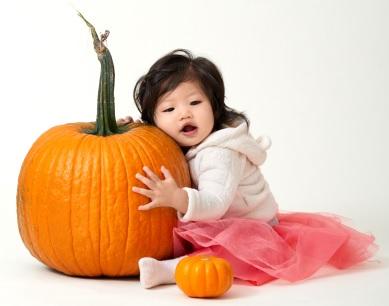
(189,129)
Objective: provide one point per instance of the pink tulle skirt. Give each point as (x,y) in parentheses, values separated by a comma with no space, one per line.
(292,250)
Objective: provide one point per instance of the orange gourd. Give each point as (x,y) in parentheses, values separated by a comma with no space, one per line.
(203,276)
(76,211)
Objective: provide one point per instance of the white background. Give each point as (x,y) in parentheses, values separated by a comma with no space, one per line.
(313,75)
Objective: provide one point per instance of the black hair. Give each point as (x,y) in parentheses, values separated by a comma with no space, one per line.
(174,68)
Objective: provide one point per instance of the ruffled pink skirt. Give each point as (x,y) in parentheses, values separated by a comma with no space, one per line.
(292,250)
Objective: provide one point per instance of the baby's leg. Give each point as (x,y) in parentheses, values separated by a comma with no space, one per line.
(155,272)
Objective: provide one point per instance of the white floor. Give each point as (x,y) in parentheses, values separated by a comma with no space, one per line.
(25,281)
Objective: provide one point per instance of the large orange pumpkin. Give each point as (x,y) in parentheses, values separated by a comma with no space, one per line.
(76,211)
(204,276)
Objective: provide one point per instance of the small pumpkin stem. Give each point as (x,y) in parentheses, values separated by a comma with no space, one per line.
(105,120)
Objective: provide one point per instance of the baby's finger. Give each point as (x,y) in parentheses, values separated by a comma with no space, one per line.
(148,206)
(146,192)
(145,180)
(125,120)
(166,172)
(151,174)
(128,119)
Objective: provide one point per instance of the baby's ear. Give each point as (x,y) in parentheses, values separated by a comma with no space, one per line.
(264,142)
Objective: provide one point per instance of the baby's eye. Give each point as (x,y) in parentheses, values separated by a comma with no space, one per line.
(170,109)
(195,102)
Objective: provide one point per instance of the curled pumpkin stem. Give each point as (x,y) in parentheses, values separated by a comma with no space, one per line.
(98,44)
(105,121)
(103,37)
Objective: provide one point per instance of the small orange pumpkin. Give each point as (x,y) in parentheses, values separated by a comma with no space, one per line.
(76,211)
(204,276)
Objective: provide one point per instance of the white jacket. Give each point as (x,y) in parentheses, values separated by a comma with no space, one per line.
(227,179)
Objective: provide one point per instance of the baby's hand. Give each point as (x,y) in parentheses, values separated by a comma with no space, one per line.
(127,120)
(163,193)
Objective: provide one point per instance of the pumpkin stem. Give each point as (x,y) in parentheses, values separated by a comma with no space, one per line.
(105,120)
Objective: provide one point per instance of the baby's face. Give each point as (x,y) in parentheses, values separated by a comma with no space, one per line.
(185,114)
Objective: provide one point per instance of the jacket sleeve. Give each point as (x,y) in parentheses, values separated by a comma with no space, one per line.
(220,171)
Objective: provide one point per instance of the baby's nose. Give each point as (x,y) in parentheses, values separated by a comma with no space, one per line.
(186,114)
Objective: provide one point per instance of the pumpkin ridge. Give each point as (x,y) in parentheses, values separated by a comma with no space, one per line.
(80,137)
(37,145)
(92,241)
(138,146)
(77,141)
(120,149)
(134,152)
(53,165)
(101,201)
(58,138)
(210,283)
(113,204)
(191,280)
(93,267)
(221,269)
(105,233)
(203,276)
(127,254)
(98,205)
(63,157)
(21,205)
(21,217)
(151,165)
(34,205)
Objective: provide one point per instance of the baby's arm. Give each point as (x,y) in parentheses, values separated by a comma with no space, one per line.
(220,174)
(220,171)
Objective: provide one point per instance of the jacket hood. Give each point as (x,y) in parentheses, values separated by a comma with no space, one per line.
(238,139)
